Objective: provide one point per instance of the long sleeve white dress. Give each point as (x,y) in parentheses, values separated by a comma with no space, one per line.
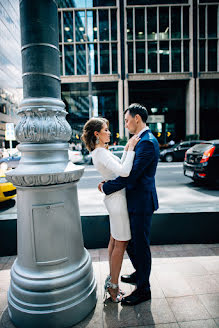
(110,167)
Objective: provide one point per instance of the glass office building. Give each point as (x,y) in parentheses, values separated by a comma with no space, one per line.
(163,54)
(10,65)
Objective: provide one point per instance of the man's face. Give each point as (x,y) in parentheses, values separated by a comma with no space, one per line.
(130,123)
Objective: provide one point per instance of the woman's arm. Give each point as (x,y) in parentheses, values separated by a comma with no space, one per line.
(120,169)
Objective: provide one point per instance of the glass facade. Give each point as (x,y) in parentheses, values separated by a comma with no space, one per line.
(86,32)
(10,66)
(208,35)
(164,32)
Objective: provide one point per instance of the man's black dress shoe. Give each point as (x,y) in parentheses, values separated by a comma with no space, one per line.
(129,279)
(136,297)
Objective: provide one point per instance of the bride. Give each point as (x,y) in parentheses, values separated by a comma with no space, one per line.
(96,135)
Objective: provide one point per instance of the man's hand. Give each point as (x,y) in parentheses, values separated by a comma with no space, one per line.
(100,185)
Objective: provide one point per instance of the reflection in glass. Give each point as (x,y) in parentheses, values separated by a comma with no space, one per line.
(92,25)
(130,57)
(69,60)
(212,21)
(85,3)
(164,23)
(201,21)
(186,22)
(139,23)
(164,56)
(113,25)
(60,27)
(152,57)
(129,24)
(114,58)
(93,58)
(104,58)
(140,57)
(81,59)
(202,56)
(176,56)
(176,22)
(212,55)
(186,56)
(152,23)
(79,25)
(104,25)
(68,26)
(60,57)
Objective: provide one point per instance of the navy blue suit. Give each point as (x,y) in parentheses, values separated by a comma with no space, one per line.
(142,202)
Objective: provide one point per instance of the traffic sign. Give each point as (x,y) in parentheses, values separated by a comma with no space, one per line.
(10,132)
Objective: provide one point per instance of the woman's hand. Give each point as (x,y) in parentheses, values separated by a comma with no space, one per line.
(133,142)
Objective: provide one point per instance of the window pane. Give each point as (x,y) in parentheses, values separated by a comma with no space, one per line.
(114,58)
(130,57)
(113,25)
(79,25)
(68,26)
(176,22)
(176,56)
(164,56)
(104,58)
(93,58)
(164,23)
(140,57)
(201,21)
(129,24)
(212,55)
(60,28)
(92,25)
(139,24)
(212,21)
(60,57)
(104,25)
(186,56)
(85,3)
(152,57)
(202,55)
(186,22)
(81,59)
(152,23)
(69,60)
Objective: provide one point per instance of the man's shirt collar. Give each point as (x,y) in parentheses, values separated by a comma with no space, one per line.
(142,131)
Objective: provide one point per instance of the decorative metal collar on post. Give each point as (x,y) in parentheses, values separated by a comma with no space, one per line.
(52,281)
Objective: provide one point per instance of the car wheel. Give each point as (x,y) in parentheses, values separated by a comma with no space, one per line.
(169,158)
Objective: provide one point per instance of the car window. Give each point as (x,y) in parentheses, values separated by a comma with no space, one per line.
(184,145)
(119,149)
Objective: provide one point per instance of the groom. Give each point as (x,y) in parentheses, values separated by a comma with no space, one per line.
(141,200)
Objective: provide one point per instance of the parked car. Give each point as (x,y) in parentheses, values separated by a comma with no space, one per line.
(117,150)
(7,190)
(177,152)
(10,162)
(75,156)
(202,162)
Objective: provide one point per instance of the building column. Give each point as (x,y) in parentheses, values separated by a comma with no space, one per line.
(52,281)
(120,109)
(126,101)
(190,106)
(198,106)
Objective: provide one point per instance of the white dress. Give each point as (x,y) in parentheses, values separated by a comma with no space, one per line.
(110,167)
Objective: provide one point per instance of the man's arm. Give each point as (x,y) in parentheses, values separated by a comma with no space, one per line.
(144,155)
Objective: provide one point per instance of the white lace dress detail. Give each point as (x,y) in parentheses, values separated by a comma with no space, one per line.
(110,167)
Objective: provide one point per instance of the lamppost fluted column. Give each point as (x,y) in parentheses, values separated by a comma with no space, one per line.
(52,281)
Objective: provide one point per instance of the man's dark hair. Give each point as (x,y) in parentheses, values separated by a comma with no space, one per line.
(135,109)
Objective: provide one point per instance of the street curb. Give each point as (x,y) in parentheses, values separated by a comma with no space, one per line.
(167,228)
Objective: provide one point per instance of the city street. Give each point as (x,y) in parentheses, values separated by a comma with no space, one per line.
(176,192)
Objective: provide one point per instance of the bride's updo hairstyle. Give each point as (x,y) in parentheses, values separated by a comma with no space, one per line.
(88,137)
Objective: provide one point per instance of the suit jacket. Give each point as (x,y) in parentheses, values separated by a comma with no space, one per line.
(140,184)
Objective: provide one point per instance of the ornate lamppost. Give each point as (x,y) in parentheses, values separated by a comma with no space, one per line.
(52,281)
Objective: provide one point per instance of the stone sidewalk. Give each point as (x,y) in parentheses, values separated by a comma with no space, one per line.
(184,283)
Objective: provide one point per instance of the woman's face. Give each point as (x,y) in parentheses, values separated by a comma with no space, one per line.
(104,134)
